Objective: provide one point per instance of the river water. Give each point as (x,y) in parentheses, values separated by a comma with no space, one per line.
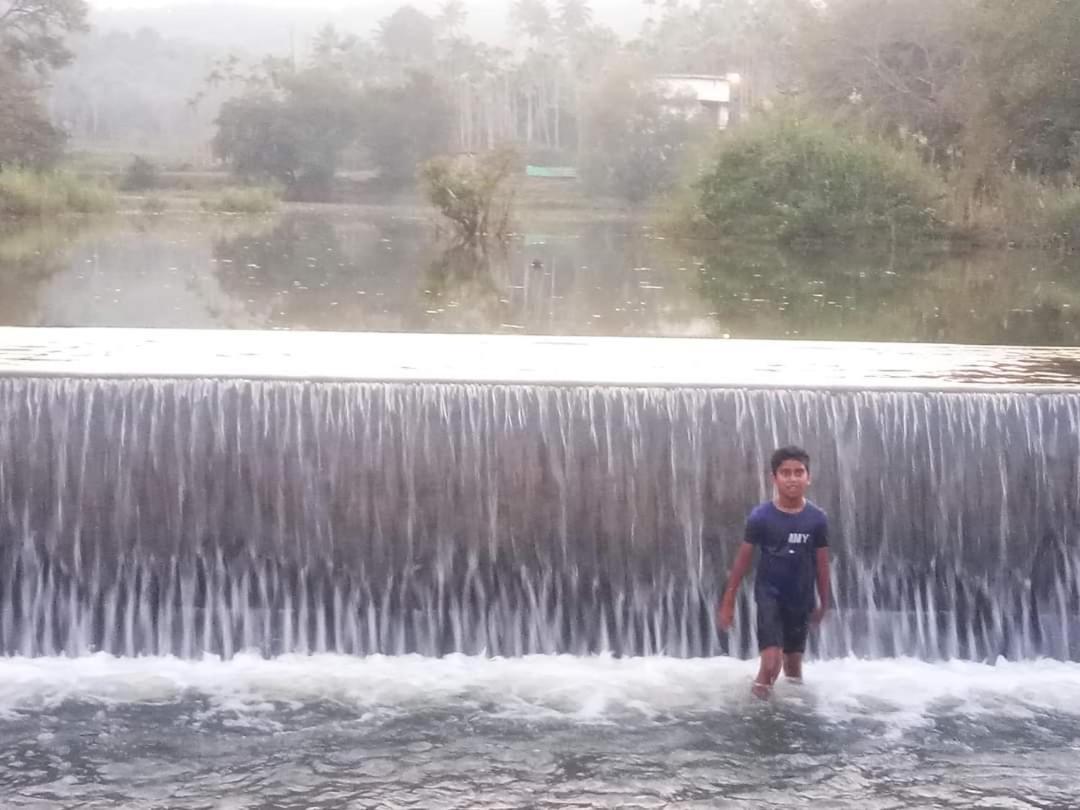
(181,576)
(327,732)
(389,269)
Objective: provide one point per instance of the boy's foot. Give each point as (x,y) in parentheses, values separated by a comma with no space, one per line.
(761,690)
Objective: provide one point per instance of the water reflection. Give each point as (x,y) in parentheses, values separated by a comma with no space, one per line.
(1005,297)
(29,258)
(386,269)
(467,287)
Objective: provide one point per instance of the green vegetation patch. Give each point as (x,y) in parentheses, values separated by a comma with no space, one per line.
(26,193)
(798,181)
(254,200)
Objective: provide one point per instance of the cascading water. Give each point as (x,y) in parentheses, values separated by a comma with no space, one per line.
(179,516)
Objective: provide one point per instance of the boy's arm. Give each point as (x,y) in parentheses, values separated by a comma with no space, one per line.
(744,558)
(822,585)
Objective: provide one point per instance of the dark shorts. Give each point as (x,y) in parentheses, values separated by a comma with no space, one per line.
(779,625)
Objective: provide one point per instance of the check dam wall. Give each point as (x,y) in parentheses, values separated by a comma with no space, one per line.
(177,513)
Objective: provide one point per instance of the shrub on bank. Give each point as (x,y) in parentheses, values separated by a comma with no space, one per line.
(141,175)
(794,180)
(253,200)
(1029,212)
(25,193)
(474,193)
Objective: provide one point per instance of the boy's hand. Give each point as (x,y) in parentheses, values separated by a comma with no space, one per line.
(818,615)
(725,614)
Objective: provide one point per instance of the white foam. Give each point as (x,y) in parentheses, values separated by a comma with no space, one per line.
(901,692)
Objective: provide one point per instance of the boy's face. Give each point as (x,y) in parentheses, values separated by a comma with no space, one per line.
(791,479)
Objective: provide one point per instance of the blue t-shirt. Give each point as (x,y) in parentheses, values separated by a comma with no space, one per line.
(788,544)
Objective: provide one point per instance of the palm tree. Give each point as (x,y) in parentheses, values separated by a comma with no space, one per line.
(574,17)
(532,18)
(452,16)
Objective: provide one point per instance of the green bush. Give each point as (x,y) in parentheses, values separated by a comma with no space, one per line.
(796,181)
(26,193)
(254,200)
(474,193)
(141,175)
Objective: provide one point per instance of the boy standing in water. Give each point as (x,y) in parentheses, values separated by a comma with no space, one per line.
(791,535)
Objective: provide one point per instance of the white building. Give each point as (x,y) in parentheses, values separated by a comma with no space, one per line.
(693,93)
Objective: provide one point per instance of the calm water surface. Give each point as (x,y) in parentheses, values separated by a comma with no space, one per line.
(391,270)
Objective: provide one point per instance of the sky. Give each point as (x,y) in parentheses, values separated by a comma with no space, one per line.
(487,19)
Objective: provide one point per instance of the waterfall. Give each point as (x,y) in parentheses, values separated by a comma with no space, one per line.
(186,516)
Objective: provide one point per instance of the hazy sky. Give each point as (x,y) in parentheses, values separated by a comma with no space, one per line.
(424,5)
(488,19)
(111,4)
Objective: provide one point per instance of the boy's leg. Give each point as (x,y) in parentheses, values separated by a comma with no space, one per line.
(768,672)
(796,626)
(793,665)
(770,634)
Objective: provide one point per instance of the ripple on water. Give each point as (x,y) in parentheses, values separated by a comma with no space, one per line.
(329,732)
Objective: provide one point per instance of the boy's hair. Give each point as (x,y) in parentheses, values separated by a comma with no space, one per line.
(789,453)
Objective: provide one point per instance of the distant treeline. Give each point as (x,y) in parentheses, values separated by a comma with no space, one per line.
(984,94)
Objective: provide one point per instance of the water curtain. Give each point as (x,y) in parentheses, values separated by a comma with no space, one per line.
(187,517)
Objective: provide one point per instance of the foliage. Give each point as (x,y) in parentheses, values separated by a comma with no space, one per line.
(472,192)
(247,200)
(32,43)
(25,193)
(405,124)
(986,87)
(890,67)
(794,180)
(635,139)
(533,18)
(407,36)
(1030,212)
(1026,84)
(27,137)
(141,175)
(294,132)
(32,32)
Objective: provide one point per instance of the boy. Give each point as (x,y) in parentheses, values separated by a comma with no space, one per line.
(792,535)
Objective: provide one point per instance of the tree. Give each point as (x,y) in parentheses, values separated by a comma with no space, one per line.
(533,18)
(32,32)
(472,192)
(1027,87)
(294,133)
(636,141)
(405,124)
(894,66)
(408,36)
(27,138)
(575,17)
(985,87)
(452,17)
(32,43)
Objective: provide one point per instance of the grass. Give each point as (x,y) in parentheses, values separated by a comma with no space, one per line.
(25,193)
(249,200)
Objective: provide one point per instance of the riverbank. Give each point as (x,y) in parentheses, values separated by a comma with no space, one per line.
(25,193)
